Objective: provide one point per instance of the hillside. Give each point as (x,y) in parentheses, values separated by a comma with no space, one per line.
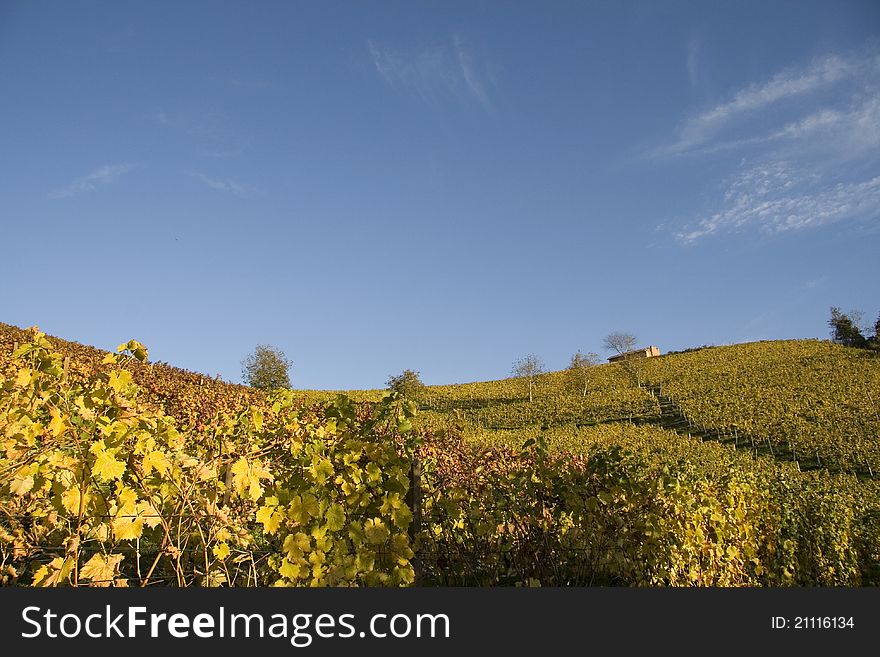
(192,398)
(808,401)
(753,464)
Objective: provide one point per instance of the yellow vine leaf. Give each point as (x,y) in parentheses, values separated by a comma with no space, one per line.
(149,513)
(321,468)
(126,498)
(108,468)
(246,477)
(53,573)
(221,550)
(137,349)
(156,461)
(101,570)
(23,379)
(120,380)
(105,465)
(296,544)
(335,517)
(269,518)
(290,570)
(21,484)
(241,475)
(375,531)
(127,528)
(71,500)
(391,501)
(57,425)
(303,508)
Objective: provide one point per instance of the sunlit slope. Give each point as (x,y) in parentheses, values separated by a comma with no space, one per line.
(558,398)
(616,459)
(809,400)
(806,400)
(194,399)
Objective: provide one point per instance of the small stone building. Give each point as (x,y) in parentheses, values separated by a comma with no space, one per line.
(648,352)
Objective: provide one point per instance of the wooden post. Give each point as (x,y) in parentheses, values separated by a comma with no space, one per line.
(227,495)
(64,371)
(415,527)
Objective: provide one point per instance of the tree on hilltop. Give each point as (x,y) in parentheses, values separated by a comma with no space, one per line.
(619,342)
(845,328)
(266,368)
(580,366)
(407,383)
(849,329)
(528,368)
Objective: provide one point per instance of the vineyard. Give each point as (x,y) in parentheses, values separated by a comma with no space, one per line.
(811,402)
(116,471)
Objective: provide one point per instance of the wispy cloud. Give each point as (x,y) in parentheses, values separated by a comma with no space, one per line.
(821,74)
(434,73)
(100,177)
(814,283)
(807,142)
(850,132)
(246,83)
(228,186)
(209,129)
(692,61)
(775,198)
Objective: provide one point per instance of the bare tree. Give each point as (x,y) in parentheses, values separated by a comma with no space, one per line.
(529,368)
(580,366)
(619,342)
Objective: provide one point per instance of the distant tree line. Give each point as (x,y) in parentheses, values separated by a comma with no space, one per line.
(267,368)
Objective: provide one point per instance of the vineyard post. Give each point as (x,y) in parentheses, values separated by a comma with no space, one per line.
(227,494)
(415,527)
(64,371)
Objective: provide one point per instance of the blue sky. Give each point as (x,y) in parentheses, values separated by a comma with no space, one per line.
(436,186)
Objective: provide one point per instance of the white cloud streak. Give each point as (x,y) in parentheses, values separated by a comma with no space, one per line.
(821,74)
(434,73)
(692,62)
(100,177)
(848,132)
(209,128)
(812,143)
(227,186)
(775,198)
